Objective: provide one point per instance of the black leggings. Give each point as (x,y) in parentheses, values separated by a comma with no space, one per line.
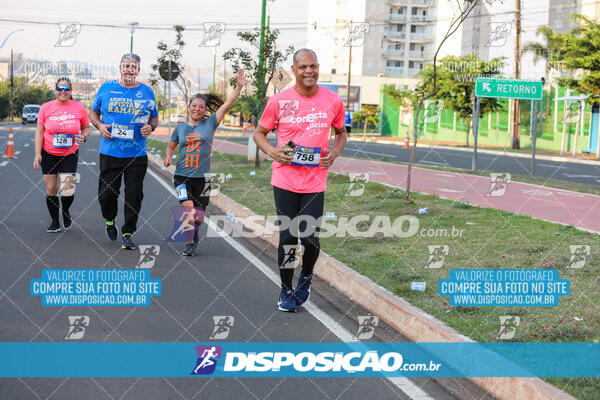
(292,205)
(112,171)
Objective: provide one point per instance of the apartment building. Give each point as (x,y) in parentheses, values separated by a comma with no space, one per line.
(399,42)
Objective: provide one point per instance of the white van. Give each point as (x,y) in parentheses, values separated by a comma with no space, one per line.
(30,113)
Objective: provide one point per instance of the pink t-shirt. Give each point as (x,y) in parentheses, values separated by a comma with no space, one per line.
(64,120)
(307,122)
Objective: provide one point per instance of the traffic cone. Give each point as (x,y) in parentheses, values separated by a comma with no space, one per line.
(10,145)
(407,141)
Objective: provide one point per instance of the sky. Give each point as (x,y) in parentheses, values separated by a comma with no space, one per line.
(104,45)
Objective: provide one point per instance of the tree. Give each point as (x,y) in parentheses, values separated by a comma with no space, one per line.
(259,67)
(172,54)
(368,115)
(260,76)
(245,105)
(458,94)
(546,51)
(463,9)
(23,94)
(581,51)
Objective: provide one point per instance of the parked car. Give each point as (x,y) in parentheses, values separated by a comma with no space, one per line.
(178,118)
(30,113)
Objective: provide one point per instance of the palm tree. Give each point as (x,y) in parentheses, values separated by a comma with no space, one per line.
(368,115)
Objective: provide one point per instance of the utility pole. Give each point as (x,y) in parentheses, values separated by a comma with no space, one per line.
(214,68)
(349,69)
(12,84)
(261,66)
(224,78)
(132,26)
(516,139)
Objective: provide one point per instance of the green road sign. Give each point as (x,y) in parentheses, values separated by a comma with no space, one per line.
(508,89)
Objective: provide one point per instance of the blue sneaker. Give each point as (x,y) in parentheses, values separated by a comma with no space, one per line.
(127,242)
(287,301)
(302,292)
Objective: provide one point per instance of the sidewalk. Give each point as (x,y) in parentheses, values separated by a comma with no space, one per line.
(555,205)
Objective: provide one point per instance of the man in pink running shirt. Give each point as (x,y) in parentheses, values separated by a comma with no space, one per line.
(304,115)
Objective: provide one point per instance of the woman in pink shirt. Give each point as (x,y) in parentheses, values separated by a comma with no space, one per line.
(63,126)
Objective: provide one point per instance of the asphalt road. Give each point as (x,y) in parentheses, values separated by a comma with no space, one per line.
(565,171)
(227,277)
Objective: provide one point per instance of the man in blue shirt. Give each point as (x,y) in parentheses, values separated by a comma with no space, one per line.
(349,115)
(124,111)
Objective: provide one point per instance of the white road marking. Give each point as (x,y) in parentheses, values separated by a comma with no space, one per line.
(3,163)
(404,384)
(17,152)
(432,162)
(579,176)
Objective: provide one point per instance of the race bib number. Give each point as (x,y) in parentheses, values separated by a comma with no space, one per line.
(181,192)
(62,140)
(307,156)
(122,132)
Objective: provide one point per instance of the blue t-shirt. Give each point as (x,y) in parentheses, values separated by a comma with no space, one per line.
(195,145)
(348,118)
(128,109)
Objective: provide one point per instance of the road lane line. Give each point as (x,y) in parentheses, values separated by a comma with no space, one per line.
(405,385)
(432,162)
(3,163)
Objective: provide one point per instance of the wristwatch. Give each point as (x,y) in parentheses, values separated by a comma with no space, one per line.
(153,127)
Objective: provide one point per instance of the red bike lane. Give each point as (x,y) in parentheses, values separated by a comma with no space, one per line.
(555,205)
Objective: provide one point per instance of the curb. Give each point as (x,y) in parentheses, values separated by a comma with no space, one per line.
(395,311)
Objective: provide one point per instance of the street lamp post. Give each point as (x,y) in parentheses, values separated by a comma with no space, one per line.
(132,28)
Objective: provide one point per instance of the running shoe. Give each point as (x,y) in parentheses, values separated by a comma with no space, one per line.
(54,227)
(302,292)
(287,301)
(111,230)
(189,250)
(127,242)
(67,220)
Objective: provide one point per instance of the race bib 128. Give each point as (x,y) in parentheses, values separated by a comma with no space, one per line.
(62,140)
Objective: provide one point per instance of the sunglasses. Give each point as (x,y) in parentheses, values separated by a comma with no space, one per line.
(63,88)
